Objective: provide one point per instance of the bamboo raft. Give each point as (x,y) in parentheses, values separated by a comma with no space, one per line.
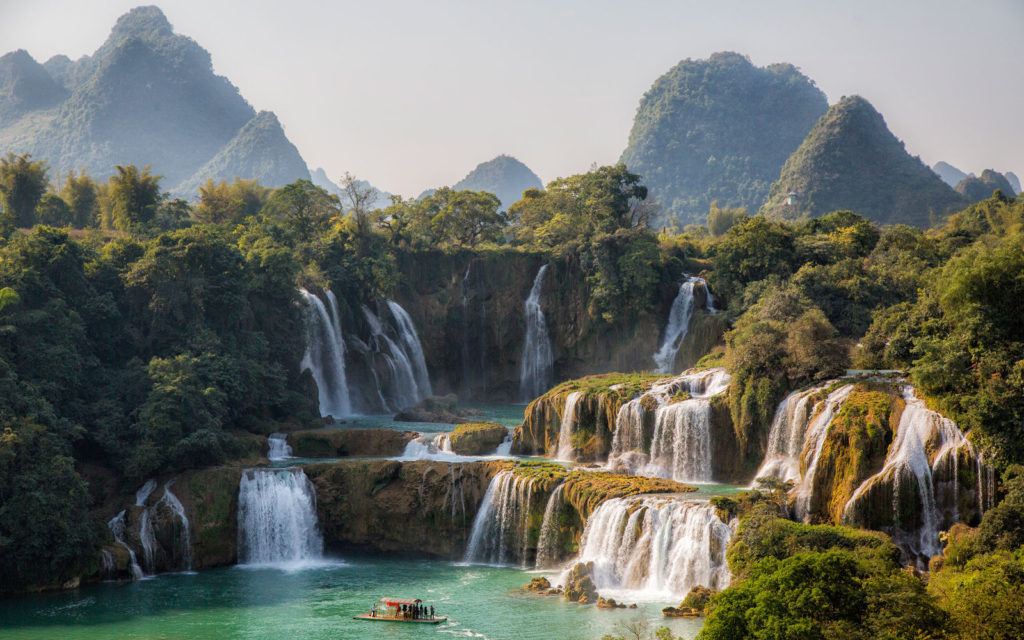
(398,610)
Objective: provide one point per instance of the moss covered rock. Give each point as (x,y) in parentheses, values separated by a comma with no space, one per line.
(477,438)
(341,443)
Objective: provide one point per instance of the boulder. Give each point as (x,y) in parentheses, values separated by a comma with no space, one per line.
(436,409)
(609,603)
(580,586)
(477,438)
(693,604)
(540,585)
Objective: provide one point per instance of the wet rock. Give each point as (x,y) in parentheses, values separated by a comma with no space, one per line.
(540,584)
(436,409)
(609,603)
(477,438)
(693,604)
(580,586)
(342,443)
(680,612)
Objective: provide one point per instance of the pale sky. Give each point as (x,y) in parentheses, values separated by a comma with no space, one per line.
(413,94)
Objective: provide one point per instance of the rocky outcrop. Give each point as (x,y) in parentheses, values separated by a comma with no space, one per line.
(419,508)
(341,443)
(437,409)
(579,585)
(693,605)
(477,438)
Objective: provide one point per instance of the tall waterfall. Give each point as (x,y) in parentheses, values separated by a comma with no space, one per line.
(661,546)
(325,354)
(814,441)
(277,521)
(185,539)
(920,430)
(411,346)
(547,541)
(536,371)
(679,447)
(499,534)
(678,325)
(277,447)
(565,449)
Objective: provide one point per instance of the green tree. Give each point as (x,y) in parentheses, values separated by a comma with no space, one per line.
(463,218)
(53,211)
(82,195)
(233,202)
(306,208)
(22,185)
(721,219)
(133,198)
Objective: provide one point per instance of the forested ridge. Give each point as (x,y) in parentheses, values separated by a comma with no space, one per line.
(144,335)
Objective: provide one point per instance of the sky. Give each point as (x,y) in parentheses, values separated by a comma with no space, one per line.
(413,94)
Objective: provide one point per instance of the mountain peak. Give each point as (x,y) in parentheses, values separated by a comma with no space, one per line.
(504,176)
(144,22)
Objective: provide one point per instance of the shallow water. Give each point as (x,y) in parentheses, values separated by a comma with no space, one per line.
(509,415)
(317,603)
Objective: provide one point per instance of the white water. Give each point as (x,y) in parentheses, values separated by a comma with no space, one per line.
(547,541)
(412,348)
(117,527)
(277,447)
(325,355)
(537,363)
(565,449)
(655,547)
(504,449)
(146,538)
(680,446)
(920,430)
(499,529)
(678,325)
(277,522)
(443,442)
(814,441)
(786,437)
(171,501)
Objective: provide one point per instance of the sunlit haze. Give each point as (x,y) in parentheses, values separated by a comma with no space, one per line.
(411,95)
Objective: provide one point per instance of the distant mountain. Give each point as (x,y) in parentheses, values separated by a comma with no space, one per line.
(146,96)
(380,198)
(503,176)
(1014,181)
(719,129)
(975,189)
(850,160)
(949,174)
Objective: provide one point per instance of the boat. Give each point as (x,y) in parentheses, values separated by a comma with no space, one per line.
(399,610)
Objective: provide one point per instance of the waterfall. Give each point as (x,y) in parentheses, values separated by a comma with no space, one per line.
(277,518)
(920,430)
(547,542)
(325,354)
(661,546)
(277,447)
(443,442)
(117,527)
(412,348)
(677,328)
(505,447)
(171,502)
(536,372)
(814,441)
(786,436)
(499,534)
(146,538)
(565,449)
(680,444)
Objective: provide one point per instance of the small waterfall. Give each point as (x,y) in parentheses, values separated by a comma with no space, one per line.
(547,542)
(443,442)
(505,447)
(277,447)
(814,441)
(786,436)
(107,565)
(680,440)
(412,348)
(146,538)
(661,546)
(277,518)
(565,449)
(325,354)
(499,534)
(171,502)
(537,368)
(920,430)
(117,527)
(677,328)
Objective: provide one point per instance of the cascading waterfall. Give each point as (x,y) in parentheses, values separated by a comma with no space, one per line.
(277,518)
(680,445)
(412,347)
(920,430)
(786,436)
(277,447)
(678,325)
(325,355)
(117,527)
(547,542)
(499,529)
(565,449)
(537,368)
(814,441)
(443,442)
(660,546)
(146,538)
(171,502)
(505,447)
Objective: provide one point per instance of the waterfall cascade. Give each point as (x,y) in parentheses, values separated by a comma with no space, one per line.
(277,518)
(786,436)
(499,529)
(277,447)
(678,325)
(537,368)
(565,449)
(680,445)
(185,539)
(660,546)
(814,441)
(325,354)
(117,526)
(408,381)
(154,555)
(547,541)
(410,344)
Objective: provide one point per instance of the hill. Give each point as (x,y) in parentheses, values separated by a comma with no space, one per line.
(719,129)
(380,198)
(503,176)
(949,174)
(850,160)
(978,188)
(146,96)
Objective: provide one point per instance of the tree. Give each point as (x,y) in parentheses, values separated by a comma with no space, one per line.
(303,206)
(721,219)
(463,218)
(82,195)
(359,198)
(22,185)
(134,198)
(53,211)
(230,202)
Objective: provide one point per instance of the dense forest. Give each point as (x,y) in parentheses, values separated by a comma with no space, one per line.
(142,335)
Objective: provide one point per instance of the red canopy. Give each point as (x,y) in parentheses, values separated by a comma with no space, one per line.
(394,602)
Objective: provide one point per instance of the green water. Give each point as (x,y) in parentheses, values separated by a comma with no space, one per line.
(317,603)
(509,415)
